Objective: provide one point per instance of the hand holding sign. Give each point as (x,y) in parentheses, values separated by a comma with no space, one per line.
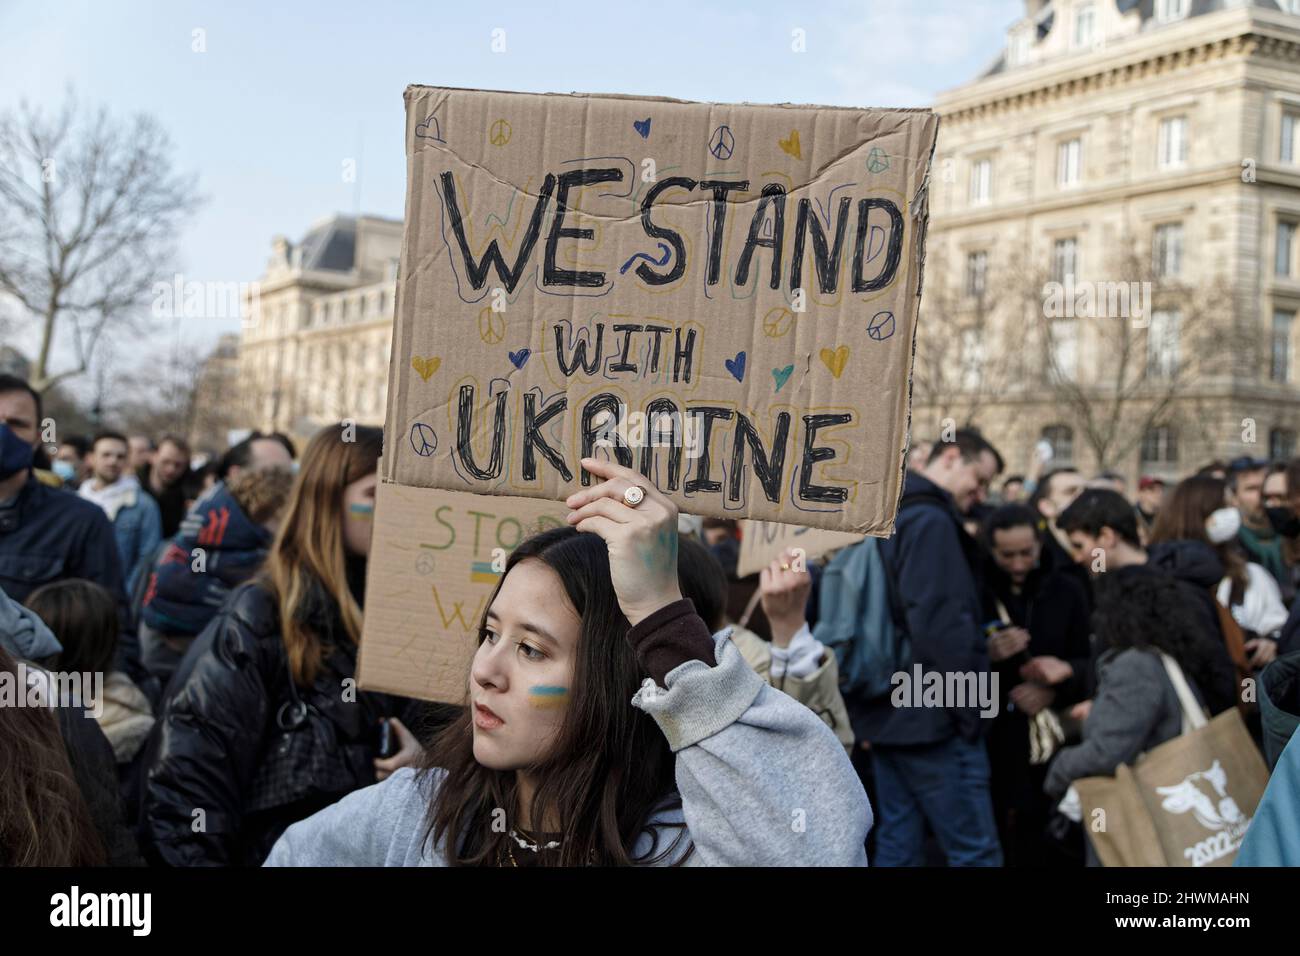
(642,540)
(784,585)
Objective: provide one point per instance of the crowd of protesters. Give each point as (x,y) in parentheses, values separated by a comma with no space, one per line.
(631,699)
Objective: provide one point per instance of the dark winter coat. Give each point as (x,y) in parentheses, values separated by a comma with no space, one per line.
(221,747)
(935,563)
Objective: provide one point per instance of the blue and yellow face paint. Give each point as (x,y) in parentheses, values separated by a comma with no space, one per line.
(361,510)
(548,696)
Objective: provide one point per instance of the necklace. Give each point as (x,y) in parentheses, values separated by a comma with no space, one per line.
(532,845)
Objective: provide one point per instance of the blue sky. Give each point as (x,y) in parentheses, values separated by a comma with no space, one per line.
(286,92)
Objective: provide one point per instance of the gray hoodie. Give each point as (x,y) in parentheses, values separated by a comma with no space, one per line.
(763,782)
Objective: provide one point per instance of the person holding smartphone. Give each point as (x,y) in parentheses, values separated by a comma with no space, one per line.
(1040,650)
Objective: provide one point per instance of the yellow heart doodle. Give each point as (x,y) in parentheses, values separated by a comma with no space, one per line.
(791,145)
(426,366)
(835,360)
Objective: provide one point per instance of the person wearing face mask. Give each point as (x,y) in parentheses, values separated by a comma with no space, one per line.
(604,725)
(71,462)
(259,727)
(46,534)
(1263,545)
(1196,511)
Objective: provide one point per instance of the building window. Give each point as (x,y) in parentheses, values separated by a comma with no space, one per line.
(981,181)
(1018,51)
(1287,151)
(1069,155)
(1172,149)
(1065,348)
(1162,344)
(1169,10)
(972,359)
(1281,443)
(1283,254)
(1061,438)
(1160,446)
(1065,259)
(976,272)
(1167,250)
(1279,366)
(1085,18)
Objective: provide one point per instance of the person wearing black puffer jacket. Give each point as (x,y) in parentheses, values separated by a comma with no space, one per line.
(263,725)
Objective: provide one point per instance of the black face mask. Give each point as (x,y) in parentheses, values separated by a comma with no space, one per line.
(1284,521)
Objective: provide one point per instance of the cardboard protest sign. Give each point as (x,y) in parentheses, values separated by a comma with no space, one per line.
(722,297)
(434,560)
(763,541)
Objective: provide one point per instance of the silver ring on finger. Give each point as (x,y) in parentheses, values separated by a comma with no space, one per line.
(633,496)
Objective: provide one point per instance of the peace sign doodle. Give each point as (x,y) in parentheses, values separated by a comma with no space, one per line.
(499,134)
(777,322)
(877,160)
(491,325)
(723,143)
(423,440)
(424,563)
(881,326)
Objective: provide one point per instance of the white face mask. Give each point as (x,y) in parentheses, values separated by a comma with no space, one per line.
(1223,525)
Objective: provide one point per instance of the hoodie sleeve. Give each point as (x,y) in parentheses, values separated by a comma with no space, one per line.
(763,781)
(1128,706)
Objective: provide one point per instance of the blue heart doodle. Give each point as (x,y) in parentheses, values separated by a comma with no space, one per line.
(881,326)
(782,375)
(423,441)
(723,143)
(642,127)
(518,359)
(664,252)
(736,366)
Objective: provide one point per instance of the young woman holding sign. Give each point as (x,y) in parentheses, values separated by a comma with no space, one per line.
(605,727)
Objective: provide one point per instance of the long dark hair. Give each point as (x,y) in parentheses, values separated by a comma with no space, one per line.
(610,768)
(1146,610)
(83,616)
(44,820)
(1182,518)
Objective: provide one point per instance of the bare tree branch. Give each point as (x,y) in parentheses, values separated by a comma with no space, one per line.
(89,211)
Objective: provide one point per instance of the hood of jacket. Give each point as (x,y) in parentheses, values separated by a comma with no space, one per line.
(1192,561)
(1279,704)
(23,634)
(184,593)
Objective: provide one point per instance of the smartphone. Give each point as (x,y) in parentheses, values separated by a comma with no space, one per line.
(387,739)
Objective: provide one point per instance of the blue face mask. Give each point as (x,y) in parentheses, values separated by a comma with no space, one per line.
(15,454)
(64,469)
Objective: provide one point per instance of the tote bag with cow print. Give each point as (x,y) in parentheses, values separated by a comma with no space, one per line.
(1186,802)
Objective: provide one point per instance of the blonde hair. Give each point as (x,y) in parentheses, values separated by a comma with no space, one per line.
(308,553)
(261,493)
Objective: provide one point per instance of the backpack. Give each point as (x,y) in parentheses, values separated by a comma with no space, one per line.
(858,619)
